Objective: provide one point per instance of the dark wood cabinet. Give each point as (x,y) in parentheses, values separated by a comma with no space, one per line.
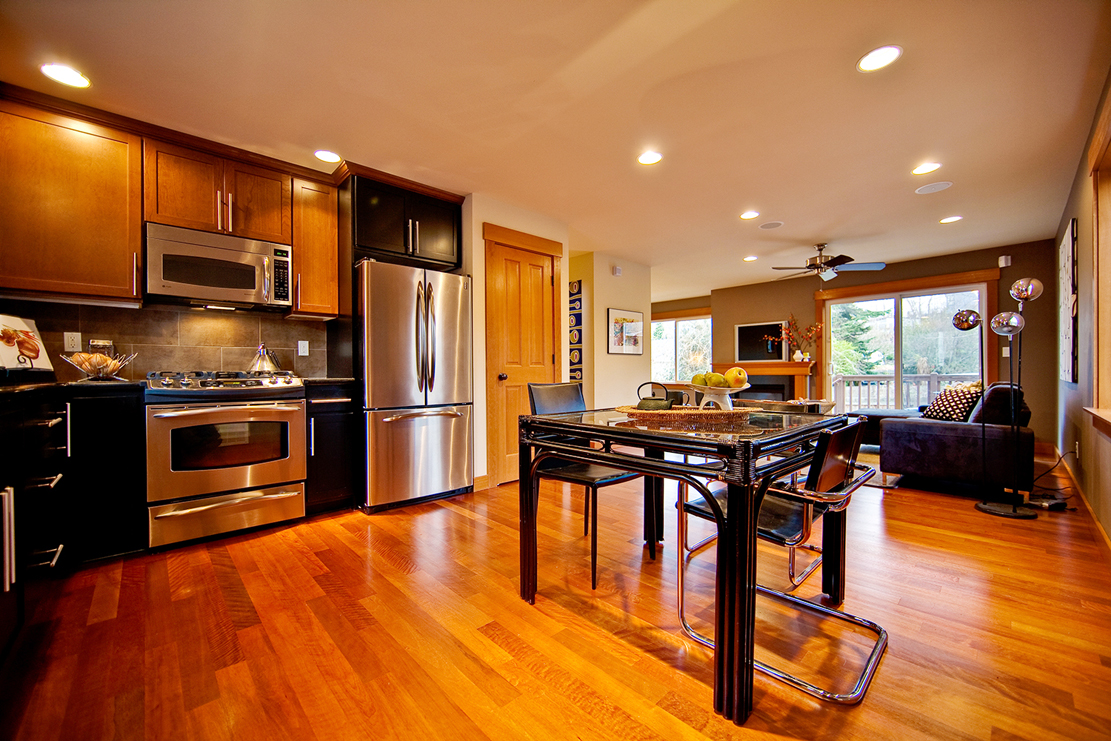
(335,434)
(105,480)
(196,190)
(11,592)
(401,226)
(70,205)
(315,250)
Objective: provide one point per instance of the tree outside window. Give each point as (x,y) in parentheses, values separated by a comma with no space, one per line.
(681,348)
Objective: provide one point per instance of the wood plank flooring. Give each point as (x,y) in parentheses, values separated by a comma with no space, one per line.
(407,625)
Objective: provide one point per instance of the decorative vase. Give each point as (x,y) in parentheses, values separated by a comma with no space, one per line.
(797,356)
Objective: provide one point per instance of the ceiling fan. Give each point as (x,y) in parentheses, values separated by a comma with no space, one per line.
(828,267)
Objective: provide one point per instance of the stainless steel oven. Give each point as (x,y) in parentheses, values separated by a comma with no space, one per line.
(218,466)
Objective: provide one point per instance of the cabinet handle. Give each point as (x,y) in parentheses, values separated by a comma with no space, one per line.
(416,247)
(312,437)
(219,211)
(230,227)
(134,273)
(329,401)
(228,503)
(298,290)
(409,240)
(52,562)
(47,483)
(51,422)
(7,517)
(69,442)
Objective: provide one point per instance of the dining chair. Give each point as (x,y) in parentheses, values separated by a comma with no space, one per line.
(787,513)
(555,398)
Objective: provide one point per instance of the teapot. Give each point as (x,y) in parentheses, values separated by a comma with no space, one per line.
(265,361)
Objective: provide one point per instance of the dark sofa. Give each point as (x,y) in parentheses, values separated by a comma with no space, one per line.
(941,451)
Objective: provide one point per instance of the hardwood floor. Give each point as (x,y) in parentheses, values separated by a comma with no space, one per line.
(407,625)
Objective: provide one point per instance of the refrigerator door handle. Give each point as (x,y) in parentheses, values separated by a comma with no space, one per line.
(416,415)
(419,332)
(431,299)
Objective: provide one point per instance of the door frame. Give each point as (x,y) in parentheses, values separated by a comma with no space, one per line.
(494,234)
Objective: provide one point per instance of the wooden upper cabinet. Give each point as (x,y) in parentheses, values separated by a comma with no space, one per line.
(315,250)
(70,205)
(196,190)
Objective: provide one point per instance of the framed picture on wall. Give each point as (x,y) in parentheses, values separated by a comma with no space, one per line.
(626,332)
(1067,296)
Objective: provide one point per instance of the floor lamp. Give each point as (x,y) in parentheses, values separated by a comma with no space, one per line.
(964,320)
(1009,324)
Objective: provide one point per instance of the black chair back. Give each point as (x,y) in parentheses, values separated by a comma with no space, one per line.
(553,398)
(834,457)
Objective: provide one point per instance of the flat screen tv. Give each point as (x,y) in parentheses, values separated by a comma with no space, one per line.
(751,345)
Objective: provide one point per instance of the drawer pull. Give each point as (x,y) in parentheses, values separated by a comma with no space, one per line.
(47,483)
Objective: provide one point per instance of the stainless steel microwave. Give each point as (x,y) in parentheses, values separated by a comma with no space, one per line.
(204,268)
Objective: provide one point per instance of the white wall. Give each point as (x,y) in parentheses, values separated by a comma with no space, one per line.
(616,377)
(477,209)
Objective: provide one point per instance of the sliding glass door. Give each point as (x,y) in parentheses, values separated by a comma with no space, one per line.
(898,351)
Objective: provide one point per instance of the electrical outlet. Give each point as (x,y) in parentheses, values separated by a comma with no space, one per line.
(1006,351)
(302,347)
(72,341)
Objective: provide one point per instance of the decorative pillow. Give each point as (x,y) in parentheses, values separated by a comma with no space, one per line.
(954,403)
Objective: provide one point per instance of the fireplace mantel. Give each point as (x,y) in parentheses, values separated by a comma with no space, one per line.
(801,371)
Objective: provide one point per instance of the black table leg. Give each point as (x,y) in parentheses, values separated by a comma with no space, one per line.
(833,555)
(736,592)
(653,505)
(528,487)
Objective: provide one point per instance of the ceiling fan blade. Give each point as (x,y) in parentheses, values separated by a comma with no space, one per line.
(795,267)
(834,262)
(864,266)
(796,275)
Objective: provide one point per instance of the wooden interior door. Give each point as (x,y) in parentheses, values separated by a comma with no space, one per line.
(521,338)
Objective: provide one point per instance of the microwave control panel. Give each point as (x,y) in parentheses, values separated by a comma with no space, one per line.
(281,277)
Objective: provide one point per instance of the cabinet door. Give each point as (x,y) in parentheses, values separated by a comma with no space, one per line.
(434,228)
(331,471)
(183,187)
(380,221)
(315,249)
(70,205)
(261,202)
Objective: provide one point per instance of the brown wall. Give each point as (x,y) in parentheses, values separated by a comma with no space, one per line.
(175,338)
(773,301)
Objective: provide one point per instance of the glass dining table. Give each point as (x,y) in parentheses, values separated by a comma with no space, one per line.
(746,452)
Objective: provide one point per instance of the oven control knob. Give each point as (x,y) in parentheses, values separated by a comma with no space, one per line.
(167,382)
(287,380)
(185,382)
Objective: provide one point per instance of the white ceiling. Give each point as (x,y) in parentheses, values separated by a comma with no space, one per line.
(755,104)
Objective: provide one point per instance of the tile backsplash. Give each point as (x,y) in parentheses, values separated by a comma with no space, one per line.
(166,337)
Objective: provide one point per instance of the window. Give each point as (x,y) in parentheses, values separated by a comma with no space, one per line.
(899,351)
(681,348)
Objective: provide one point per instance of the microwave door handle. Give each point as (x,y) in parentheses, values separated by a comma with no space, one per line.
(265,275)
(418,331)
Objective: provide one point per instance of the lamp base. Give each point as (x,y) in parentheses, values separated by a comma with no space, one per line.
(1006,510)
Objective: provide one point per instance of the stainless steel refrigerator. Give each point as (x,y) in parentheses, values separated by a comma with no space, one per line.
(416,363)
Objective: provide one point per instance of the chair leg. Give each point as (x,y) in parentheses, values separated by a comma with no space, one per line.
(797,581)
(592,495)
(684,555)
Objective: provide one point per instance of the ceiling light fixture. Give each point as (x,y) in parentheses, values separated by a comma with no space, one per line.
(926,167)
(771,225)
(879,58)
(325,156)
(750,258)
(750,215)
(951,219)
(65,74)
(649,158)
(933,187)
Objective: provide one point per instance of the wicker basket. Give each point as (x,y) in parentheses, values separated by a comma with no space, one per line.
(690,414)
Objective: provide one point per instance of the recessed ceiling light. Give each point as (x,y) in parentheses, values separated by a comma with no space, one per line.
(771,225)
(65,75)
(649,158)
(879,58)
(926,167)
(933,187)
(750,215)
(325,156)
(951,219)
(750,258)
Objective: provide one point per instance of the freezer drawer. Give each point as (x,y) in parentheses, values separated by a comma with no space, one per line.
(199,518)
(415,453)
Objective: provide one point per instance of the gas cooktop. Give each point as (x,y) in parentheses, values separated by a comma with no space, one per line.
(224,384)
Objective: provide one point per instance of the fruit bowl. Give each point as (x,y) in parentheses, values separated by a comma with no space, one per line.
(719,395)
(98,366)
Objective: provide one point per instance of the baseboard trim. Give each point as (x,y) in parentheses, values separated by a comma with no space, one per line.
(481,482)
(1080,492)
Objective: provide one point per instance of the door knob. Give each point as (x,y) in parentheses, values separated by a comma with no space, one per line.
(502,376)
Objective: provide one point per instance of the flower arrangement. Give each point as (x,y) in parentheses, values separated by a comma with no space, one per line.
(796,338)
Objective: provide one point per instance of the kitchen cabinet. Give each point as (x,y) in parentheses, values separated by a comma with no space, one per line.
(42,505)
(11,593)
(105,482)
(315,250)
(70,206)
(401,226)
(334,474)
(197,190)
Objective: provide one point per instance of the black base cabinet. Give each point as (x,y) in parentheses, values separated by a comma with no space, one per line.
(335,448)
(105,482)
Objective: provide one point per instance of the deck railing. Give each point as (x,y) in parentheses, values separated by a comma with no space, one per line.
(879,392)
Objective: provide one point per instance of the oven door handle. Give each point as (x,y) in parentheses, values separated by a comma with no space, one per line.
(215,410)
(228,503)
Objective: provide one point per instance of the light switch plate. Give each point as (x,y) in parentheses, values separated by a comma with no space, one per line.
(1006,351)
(72,341)
(302,347)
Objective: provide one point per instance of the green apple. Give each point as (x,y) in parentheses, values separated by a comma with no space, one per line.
(699,379)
